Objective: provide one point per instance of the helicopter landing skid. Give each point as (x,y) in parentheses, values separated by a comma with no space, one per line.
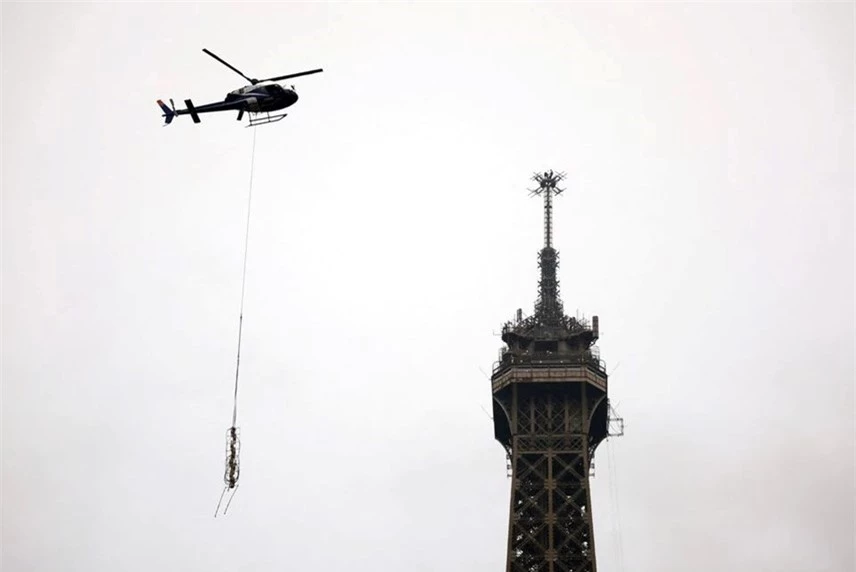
(255,120)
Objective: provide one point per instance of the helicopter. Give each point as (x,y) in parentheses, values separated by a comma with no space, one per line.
(262,96)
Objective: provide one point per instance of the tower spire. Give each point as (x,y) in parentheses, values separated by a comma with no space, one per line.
(548,307)
(550,412)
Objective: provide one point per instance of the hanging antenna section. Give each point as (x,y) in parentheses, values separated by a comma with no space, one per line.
(233,442)
(233,467)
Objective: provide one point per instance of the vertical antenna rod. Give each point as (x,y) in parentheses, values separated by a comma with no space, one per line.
(548,308)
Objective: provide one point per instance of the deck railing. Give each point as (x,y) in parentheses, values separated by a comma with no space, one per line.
(550,359)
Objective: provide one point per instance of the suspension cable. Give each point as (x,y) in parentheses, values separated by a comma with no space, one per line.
(616,509)
(244,281)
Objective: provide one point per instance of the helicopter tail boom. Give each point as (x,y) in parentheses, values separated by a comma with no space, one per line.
(168,113)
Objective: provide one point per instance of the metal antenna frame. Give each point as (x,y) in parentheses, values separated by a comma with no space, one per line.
(547,187)
(548,308)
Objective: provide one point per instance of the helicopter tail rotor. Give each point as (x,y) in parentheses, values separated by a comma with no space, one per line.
(168,113)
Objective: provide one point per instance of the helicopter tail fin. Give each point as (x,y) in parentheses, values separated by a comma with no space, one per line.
(168,113)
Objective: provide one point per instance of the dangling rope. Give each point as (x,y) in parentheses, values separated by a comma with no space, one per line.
(233,443)
(244,280)
(616,510)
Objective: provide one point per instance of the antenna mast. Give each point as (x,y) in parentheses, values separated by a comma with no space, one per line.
(548,308)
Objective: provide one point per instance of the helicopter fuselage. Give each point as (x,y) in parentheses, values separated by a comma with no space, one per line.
(263,98)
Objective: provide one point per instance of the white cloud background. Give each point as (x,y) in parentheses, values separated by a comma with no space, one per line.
(709,221)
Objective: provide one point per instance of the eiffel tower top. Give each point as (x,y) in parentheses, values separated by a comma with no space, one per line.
(549,320)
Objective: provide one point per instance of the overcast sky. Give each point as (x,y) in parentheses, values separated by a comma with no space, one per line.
(708,221)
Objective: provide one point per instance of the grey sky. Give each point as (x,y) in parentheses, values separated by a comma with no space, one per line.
(709,222)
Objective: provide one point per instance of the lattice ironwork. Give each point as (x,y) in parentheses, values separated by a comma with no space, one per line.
(550,524)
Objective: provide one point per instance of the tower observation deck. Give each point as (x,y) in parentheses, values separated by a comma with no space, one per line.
(551,411)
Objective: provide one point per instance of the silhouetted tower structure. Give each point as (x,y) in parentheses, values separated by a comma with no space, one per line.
(550,413)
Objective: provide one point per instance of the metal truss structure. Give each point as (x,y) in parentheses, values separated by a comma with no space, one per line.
(551,410)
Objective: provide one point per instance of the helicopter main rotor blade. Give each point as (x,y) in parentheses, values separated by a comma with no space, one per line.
(281,77)
(230,66)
